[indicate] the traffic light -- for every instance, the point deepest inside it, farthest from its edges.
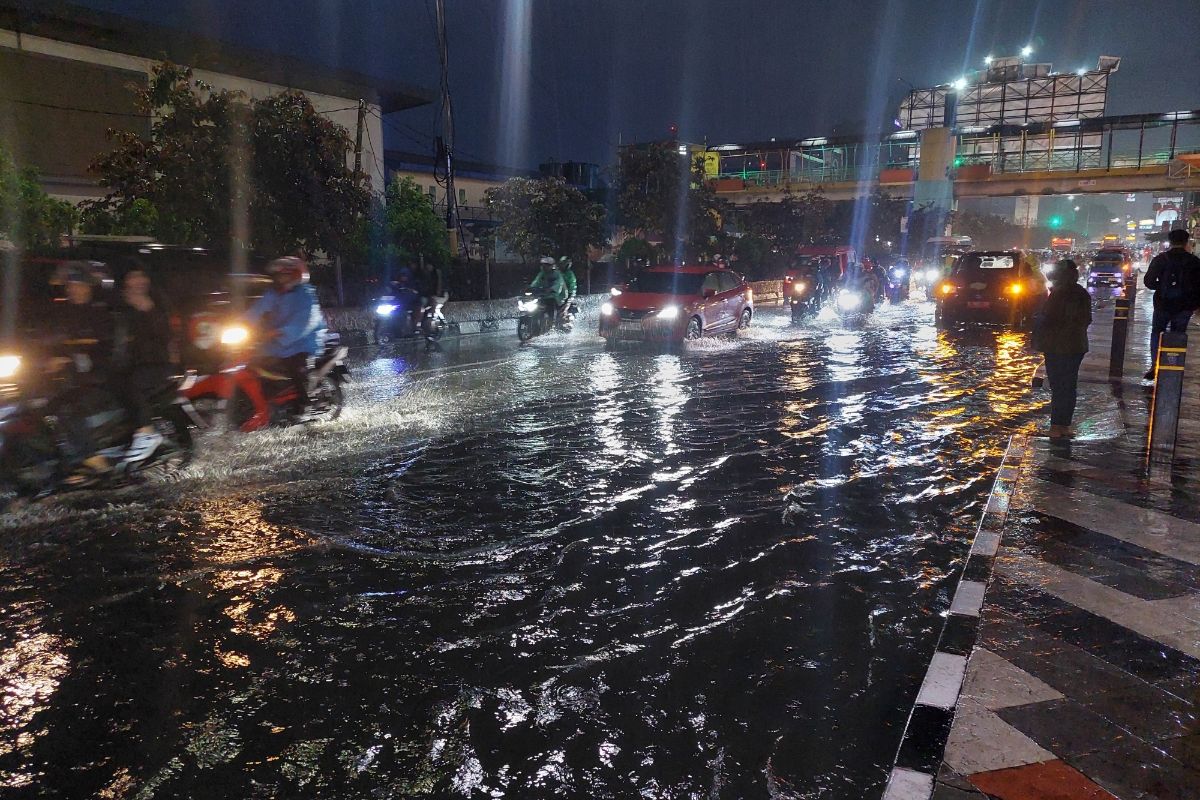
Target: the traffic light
(958, 162)
(1055, 221)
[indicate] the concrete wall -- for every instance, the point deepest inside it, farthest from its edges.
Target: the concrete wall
(74, 187)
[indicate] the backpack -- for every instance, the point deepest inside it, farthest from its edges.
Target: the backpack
(1171, 282)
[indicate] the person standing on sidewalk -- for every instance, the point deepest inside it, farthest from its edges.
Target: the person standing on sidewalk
(1175, 278)
(1061, 333)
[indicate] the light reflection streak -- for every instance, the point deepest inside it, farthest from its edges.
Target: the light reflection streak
(30, 671)
(670, 395)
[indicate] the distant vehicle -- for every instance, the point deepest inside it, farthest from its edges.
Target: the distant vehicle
(937, 257)
(899, 281)
(1110, 266)
(1004, 286)
(1062, 245)
(676, 303)
(540, 314)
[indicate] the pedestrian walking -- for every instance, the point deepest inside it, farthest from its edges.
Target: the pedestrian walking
(1061, 333)
(1174, 276)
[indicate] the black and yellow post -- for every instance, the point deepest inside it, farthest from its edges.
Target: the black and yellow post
(1120, 332)
(1168, 391)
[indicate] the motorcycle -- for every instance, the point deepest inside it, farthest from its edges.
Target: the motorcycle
(539, 314)
(36, 455)
(404, 316)
(927, 278)
(253, 397)
(853, 302)
(804, 298)
(898, 283)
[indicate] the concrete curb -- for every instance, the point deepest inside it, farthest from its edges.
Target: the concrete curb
(928, 728)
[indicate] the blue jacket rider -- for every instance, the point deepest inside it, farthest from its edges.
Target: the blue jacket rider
(291, 315)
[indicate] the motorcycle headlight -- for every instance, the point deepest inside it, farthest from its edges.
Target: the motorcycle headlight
(607, 309)
(385, 309)
(799, 286)
(233, 335)
(527, 305)
(898, 272)
(849, 301)
(932, 275)
(9, 365)
(669, 312)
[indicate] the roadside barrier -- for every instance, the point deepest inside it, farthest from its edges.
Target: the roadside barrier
(1168, 392)
(1120, 333)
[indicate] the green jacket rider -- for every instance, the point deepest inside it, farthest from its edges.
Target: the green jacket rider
(549, 281)
(568, 276)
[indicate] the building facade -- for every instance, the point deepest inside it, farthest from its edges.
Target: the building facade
(66, 73)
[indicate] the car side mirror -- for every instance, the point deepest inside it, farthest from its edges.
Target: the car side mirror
(707, 293)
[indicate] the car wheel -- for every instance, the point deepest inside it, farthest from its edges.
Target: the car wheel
(694, 331)
(744, 322)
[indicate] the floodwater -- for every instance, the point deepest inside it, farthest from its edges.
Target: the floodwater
(549, 571)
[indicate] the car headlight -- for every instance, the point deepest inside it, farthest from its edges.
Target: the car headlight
(614, 291)
(607, 309)
(932, 275)
(799, 286)
(849, 301)
(385, 309)
(9, 365)
(669, 312)
(233, 335)
(527, 305)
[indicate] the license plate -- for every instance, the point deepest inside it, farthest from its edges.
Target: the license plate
(631, 327)
(979, 304)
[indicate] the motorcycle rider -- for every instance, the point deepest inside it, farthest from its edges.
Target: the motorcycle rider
(81, 347)
(828, 277)
(294, 330)
(144, 354)
(431, 286)
(549, 283)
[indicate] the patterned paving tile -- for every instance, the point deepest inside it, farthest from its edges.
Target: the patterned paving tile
(994, 683)
(1064, 727)
(1134, 769)
(1052, 780)
(981, 741)
(1147, 711)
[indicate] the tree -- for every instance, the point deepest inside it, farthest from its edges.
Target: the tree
(546, 216)
(29, 218)
(412, 228)
(217, 163)
(652, 181)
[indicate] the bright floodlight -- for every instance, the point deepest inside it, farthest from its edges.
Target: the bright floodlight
(987, 59)
(959, 84)
(1026, 51)
(1081, 71)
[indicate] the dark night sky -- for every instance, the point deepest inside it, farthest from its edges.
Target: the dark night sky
(596, 70)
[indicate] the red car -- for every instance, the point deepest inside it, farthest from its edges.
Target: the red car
(674, 303)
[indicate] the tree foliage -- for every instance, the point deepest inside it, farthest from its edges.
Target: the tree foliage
(29, 218)
(546, 216)
(659, 192)
(213, 155)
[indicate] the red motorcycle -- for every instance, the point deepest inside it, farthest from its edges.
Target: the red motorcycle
(252, 397)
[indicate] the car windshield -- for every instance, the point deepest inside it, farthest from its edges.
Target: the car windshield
(684, 283)
(986, 261)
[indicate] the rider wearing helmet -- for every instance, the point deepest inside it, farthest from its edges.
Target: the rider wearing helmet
(549, 282)
(566, 269)
(431, 286)
(293, 327)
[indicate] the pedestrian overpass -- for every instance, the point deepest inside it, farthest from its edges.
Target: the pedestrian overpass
(1131, 153)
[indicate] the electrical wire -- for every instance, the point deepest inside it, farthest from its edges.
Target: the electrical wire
(74, 108)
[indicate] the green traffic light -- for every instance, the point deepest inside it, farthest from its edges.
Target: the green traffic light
(1055, 222)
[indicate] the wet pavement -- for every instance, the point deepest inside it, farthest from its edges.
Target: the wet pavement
(524, 572)
(1083, 681)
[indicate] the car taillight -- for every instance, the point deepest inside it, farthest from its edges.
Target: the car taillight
(946, 288)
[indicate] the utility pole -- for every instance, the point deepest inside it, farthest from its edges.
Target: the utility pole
(447, 149)
(358, 137)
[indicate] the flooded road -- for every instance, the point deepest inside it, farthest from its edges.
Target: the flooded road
(552, 571)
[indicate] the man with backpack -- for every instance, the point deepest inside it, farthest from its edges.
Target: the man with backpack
(1175, 278)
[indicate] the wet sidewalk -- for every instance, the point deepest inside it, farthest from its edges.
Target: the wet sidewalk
(1075, 631)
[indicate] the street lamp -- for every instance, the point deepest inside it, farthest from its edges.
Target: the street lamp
(1026, 51)
(959, 84)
